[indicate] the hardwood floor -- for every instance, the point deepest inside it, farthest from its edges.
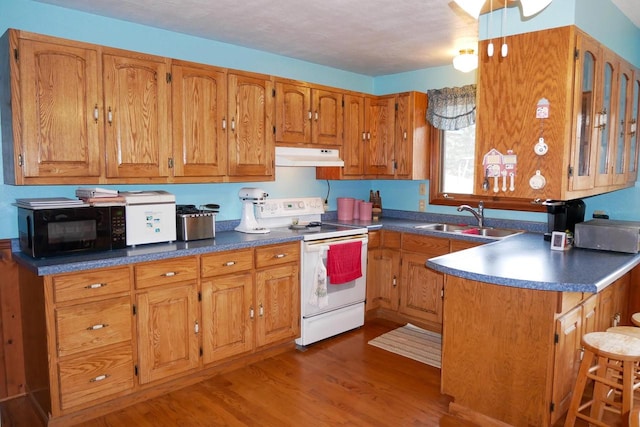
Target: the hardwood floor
(339, 381)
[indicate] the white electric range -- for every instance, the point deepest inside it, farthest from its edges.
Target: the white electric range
(328, 309)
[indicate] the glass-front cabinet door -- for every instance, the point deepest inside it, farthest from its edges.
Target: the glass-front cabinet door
(605, 122)
(620, 132)
(632, 170)
(583, 158)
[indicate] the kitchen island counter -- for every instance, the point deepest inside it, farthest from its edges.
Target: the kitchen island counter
(526, 261)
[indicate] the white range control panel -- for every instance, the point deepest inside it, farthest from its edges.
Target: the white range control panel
(291, 207)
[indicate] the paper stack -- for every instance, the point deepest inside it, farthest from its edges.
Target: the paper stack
(100, 196)
(49, 203)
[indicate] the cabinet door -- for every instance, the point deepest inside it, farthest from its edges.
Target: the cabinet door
(383, 278)
(167, 331)
(227, 305)
(379, 148)
(199, 98)
(354, 135)
(327, 117)
(633, 129)
(136, 102)
(421, 289)
(586, 84)
(411, 154)
(251, 143)
(605, 120)
(566, 361)
(59, 102)
(621, 142)
(293, 113)
(277, 304)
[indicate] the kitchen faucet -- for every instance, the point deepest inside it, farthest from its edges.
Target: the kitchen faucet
(479, 214)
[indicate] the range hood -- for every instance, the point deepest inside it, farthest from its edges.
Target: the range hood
(291, 156)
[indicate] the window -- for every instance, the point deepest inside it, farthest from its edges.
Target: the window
(458, 160)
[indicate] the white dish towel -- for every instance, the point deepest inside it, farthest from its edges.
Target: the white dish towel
(319, 296)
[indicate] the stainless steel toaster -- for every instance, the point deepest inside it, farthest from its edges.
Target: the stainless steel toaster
(196, 226)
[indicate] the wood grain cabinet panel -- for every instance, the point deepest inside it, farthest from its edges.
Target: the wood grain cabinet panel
(158, 273)
(277, 304)
(379, 146)
(199, 120)
(87, 379)
(91, 284)
(137, 105)
(167, 331)
(227, 316)
(226, 262)
(92, 325)
(307, 114)
(46, 106)
(251, 141)
(277, 255)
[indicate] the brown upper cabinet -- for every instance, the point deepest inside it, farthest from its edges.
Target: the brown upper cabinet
(308, 115)
(591, 146)
(56, 130)
(386, 137)
(158, 120)
(137, 108)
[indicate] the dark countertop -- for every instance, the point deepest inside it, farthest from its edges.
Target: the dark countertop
(526, 261)
(523, 260)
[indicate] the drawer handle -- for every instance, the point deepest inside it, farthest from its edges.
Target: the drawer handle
(98, 326)
(261, 310)
(99, 378)
(170, 274)
(96, 286)
(278, 256)
(229, 263)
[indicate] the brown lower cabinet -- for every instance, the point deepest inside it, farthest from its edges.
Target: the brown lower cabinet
(399, 285)
(96, 340)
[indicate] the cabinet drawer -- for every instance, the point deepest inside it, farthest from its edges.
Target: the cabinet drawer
(98, 283)
(226, 262)
(93, 325)
(279, 254)
(391, 239)
(433, 246)
(88, 378)
(166, 271)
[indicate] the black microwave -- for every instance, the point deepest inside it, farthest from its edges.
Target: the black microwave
(59, 231)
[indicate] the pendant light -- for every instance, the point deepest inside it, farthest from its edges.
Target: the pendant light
(529, 7)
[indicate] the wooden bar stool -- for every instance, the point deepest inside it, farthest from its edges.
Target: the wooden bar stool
(615, 353)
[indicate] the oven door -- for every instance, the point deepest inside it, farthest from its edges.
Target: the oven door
(338, 296)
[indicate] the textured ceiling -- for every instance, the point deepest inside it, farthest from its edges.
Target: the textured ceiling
(370, 37)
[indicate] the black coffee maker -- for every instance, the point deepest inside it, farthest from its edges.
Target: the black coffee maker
(563, 215)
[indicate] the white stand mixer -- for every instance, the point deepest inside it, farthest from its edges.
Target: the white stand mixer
(250, 197)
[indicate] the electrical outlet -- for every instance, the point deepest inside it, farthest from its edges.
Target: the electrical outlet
(422, 205)
(422, 189)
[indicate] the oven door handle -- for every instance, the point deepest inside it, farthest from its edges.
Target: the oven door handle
(321, 245)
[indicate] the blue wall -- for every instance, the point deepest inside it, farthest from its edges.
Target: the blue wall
(46, 19)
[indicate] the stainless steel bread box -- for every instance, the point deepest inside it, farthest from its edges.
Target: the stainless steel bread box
(608, 235)
(196, 226)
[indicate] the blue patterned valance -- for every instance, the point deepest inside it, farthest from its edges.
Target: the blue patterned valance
(452, 108)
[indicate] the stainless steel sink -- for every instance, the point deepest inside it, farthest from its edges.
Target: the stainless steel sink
(446, 228)
(494, 233)
(498, 233)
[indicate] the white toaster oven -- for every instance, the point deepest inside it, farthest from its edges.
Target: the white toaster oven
(150, 217)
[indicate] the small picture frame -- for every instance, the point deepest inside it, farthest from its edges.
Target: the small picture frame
(559, 241)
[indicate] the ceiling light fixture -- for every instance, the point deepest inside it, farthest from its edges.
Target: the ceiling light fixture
(529, 7)
(466, 61)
